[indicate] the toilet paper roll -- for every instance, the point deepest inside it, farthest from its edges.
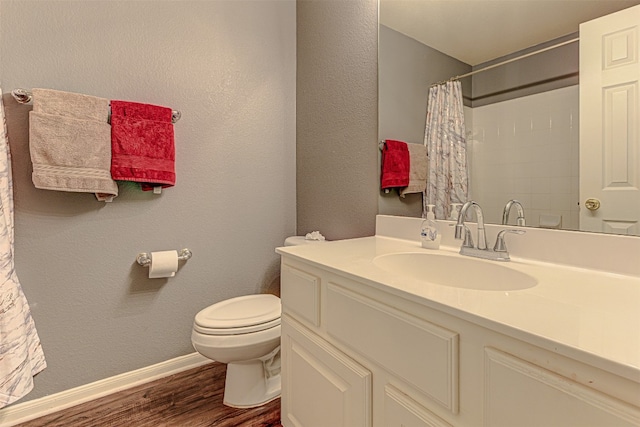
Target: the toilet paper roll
(163, 264)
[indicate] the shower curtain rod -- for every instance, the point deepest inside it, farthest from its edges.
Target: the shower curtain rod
(526, 55)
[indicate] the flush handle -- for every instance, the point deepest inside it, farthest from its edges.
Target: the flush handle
(592, 204)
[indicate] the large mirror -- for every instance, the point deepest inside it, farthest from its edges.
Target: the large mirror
(522, 113)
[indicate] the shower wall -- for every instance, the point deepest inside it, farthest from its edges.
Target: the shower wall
(527, 149)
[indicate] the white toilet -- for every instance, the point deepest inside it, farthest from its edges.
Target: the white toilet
(244, 333)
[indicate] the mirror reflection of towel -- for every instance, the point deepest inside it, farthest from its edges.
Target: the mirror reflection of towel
(69, 143)
(142, 144)
(418, 168)
(395, 164)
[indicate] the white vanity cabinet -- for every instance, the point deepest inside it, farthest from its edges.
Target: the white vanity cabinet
(354, 355)
(324, 386)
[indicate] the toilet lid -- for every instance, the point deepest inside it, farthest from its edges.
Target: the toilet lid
(240, 315)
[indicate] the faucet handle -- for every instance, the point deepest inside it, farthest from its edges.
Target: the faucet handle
(500, 245)
(467, 240)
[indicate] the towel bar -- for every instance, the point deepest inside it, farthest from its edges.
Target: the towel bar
(23, 96)
(144, 258)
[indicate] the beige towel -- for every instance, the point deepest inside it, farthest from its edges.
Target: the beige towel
(418, 168)
(70, 143)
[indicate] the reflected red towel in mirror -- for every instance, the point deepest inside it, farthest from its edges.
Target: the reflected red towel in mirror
(142, 144)
(395, 164)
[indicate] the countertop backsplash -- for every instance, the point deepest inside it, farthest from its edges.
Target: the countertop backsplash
(603, 252)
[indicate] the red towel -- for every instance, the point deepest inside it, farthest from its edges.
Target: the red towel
(142, 144)
(395, 164)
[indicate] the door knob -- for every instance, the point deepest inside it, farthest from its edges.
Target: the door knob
(592, 204)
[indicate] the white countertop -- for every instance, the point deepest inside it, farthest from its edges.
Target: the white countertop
(587, 315)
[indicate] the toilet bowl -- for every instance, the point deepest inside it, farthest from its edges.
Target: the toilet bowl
(244, 333)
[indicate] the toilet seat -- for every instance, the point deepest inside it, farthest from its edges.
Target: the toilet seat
(240, 315)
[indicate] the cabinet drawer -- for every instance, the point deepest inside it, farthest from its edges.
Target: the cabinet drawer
(300, 292)
(520, 393)
(418, 352)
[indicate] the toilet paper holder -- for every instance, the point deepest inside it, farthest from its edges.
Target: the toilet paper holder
(144, 258)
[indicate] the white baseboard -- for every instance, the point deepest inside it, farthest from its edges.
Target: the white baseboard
(22, 412)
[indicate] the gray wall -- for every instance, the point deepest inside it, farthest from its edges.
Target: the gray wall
(229, 66)
(407, 68)
(337, 117)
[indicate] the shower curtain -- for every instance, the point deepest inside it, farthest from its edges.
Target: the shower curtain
(445, 139)
(21, 355)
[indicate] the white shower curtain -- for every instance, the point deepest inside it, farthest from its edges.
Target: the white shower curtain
(21, 355)
(445, 139)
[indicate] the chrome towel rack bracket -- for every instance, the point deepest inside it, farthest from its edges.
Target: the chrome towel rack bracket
(23, 96)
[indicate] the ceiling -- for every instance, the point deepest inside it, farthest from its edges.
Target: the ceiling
(476, 31)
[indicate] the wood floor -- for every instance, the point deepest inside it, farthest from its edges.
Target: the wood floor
(189, 399)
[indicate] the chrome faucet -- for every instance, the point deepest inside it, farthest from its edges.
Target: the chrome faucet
(499, 251)
(507, 208)
(460, 227)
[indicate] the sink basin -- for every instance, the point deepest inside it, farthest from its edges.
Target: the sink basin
(455, 271)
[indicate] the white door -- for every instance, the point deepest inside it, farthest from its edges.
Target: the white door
(609, 116)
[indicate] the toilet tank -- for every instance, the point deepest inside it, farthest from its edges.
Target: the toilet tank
(301, 240)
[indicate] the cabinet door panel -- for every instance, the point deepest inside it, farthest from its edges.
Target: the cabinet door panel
(523, 394)
(300, 294)
(421, 353)
(400, 410)
(321, 386)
